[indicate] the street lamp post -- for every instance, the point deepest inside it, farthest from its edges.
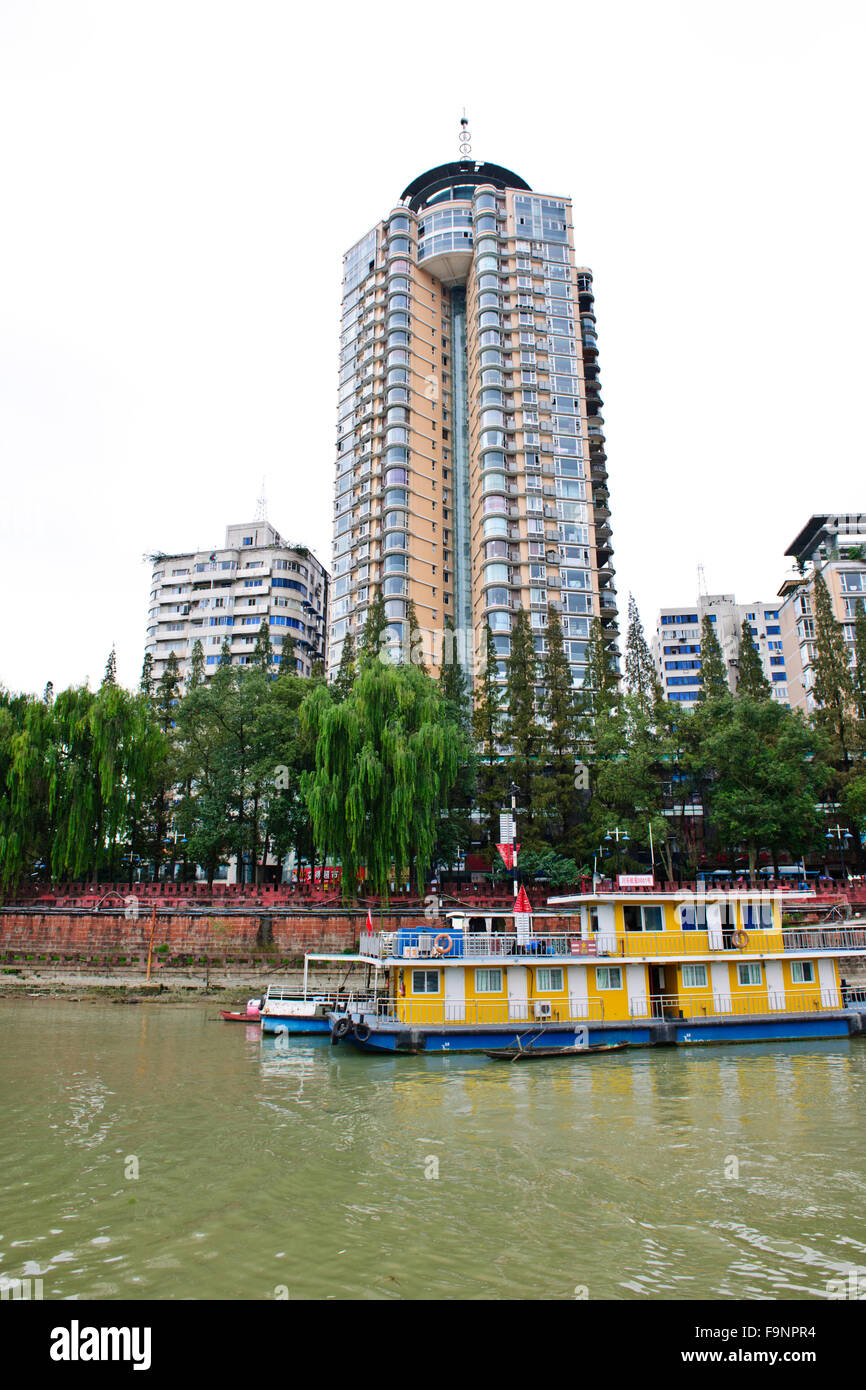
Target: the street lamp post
(619, 836)
(837, 833)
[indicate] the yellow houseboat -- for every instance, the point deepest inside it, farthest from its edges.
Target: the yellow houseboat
(637, 967)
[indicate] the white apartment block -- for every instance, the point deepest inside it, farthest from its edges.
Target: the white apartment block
(835, 547)
(676, 646)
(211, 595)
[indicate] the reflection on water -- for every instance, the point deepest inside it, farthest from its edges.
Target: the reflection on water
(265, 1166)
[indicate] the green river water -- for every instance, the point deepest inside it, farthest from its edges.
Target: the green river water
(311, 1171)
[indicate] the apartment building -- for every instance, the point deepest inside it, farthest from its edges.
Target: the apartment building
(214, 595)
(676, 645)
(835, 547)
(471, 476)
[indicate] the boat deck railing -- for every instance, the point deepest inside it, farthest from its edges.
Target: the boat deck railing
(693, 1006)
(480, 1011)
(411, 945)
(337, 998)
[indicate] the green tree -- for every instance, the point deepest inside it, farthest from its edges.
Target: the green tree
(521, 732)
(641, 680)
(386, 757)
(767, 768)
(374, 628)
(196, 674)
(859, 672)
(146, 684)
(833, 688)
(714, 679)
(346, 671)
(263, 651)
(487, 719)
(454, 831)
(751, 680)
(110, 677)
(555, 788)
(288, 657)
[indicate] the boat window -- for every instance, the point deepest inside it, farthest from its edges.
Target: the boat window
(653, 918)
(608, 977)
(477, 924)
(692, 915)
(631, 916)
(549, 979)
(488, 981)
(425, 981)
(757, 916)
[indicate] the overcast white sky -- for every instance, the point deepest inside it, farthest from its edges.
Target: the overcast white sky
(180, 180)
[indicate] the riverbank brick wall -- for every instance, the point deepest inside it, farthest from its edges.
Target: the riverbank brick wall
(183, 934)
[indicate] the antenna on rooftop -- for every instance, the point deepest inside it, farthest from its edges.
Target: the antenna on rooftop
(702, 582)
(262, 505)
(465, 137)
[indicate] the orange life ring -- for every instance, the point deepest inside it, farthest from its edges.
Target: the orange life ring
(443, 950)
(740, 938)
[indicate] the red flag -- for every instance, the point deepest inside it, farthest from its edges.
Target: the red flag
(507, 852)
(522, 903)
(369, 921)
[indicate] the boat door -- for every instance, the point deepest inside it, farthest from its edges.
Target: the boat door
(714, 926)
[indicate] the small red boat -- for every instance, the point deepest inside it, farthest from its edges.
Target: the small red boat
(250, 1015)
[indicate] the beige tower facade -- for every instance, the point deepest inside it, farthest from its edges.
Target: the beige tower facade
(471, 469)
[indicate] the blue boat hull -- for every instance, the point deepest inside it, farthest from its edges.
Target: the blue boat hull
(273, 1023)
(397, 1039)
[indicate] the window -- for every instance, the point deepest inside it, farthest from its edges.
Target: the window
(694, 977)
(549, 979)
(749, 974)
(425, 981)
(488, 981)
(608, 977)
(802, 972)
(248, 540)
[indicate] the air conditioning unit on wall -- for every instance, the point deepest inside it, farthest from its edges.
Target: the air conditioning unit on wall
(542, 1008)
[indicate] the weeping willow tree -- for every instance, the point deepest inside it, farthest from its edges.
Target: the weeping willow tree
(386, 757)
(25, 822)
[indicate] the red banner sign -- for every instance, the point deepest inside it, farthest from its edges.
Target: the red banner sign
(509, 854)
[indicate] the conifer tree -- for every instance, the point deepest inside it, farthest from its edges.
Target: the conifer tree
(110, 677)
(833, 687)
(263, 651)
(416, 638)
(146, 683)
(487, 729)
(859, 672)
(521, 731)
(640, 674)
(556, 784)
(225, 654)
(195, 675)
(453, 685)
(714, 680)
(750, 678)
(288, 661)
(347, 670)
(48, 696)
(374, 627)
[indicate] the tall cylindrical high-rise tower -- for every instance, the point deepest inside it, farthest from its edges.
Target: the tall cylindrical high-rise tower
(471, 473)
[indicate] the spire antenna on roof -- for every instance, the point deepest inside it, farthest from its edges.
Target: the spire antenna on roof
(262, 505)
(465, 137)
